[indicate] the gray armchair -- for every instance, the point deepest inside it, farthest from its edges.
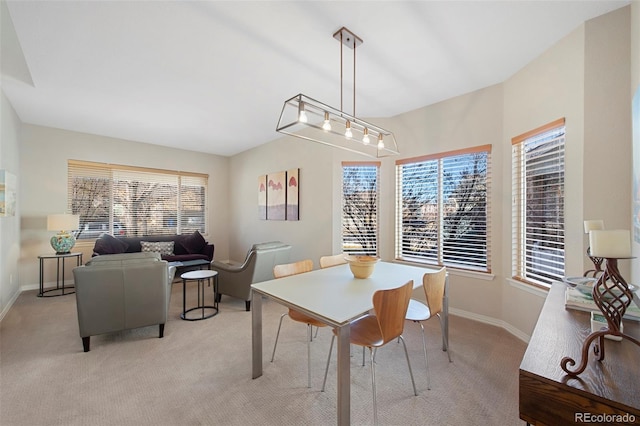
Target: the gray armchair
(236, 280)
(122, 291)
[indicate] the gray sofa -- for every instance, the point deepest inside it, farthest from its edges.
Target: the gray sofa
(186, 247)
(236, 280)
(122, 291)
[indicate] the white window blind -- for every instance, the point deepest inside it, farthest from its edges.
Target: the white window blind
(538, 204)
(360, 195)
(443, 210)
(134, 201)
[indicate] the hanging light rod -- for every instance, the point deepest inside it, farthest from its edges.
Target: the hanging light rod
(309, 119)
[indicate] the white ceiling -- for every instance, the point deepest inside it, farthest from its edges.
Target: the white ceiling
(212, 76)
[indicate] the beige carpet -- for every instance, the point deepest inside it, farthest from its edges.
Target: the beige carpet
(200, 372)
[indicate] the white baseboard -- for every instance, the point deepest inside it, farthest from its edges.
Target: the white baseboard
(491, 321)
(11, 302)
(29, 287)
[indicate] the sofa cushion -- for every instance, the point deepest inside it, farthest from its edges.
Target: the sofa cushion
(193, 243)
(178, 248)
(184, 257)
(162, 247)
(107, 244)
(121, 259)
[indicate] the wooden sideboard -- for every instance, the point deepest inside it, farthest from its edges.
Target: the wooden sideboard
(605, 390)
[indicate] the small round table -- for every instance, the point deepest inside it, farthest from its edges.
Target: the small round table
(200, 276)
(60, 259)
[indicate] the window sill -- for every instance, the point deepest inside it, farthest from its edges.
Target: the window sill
(452, 271)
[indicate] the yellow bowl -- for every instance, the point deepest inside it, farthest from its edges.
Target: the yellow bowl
(362, 266)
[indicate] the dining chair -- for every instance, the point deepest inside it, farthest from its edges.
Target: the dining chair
(433, 285)
(376, 330)
(333, 260)
(285, 270)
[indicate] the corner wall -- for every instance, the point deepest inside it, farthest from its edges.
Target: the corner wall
(10, 225)
(583, 78)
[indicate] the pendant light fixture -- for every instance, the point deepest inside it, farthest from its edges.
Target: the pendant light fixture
(309, 119)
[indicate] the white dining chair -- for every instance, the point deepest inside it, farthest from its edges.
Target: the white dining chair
(418, 312)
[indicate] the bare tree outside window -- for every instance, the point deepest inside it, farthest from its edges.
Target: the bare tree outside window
(360, 209)
(538, 210)
(135, 202)
(443, 205)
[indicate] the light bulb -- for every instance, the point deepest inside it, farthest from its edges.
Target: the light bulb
(380, 142)
(347, 132)
(327, 124)
(365, 138)
(302, 116)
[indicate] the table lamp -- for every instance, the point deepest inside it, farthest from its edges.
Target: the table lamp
(63, 241)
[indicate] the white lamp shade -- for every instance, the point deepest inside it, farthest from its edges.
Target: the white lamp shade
(63, 222)
(610, 244)
(593, 225)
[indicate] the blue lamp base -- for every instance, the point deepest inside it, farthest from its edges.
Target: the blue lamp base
(63, 242)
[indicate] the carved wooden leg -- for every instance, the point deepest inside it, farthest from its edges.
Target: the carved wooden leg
(85, 343)
(161, 326)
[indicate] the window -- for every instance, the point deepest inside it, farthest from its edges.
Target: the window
(134, 201)
(538, 204)
(443, 210)
(360, 208)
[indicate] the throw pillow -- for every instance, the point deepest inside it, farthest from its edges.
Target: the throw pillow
(157, 247)
(193, 243)
(107, 244)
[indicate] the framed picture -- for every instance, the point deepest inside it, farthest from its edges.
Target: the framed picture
(7, 194)
(262, 197)
(276, 196)
(293, 185)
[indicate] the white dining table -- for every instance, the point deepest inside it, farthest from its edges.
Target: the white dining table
(333, 296)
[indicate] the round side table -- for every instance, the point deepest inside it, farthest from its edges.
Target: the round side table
(60, 259)
(200, 276)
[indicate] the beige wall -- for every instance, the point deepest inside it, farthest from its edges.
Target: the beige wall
(583, 78)
(466, 121)
(43, 189)
(310, 236)
(10, 225)
(550, 87)
(606, 171)
(580, 78)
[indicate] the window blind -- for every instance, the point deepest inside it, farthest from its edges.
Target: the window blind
(443, 210)
(538, 204)
(135, 201)
(360, 195)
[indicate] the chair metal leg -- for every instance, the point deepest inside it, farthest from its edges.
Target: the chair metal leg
(277, 335)
(426, 362)
(444, 337)
(309, 337)
(326, 370)
(363, 356)
(372, 352)
(413, 382)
